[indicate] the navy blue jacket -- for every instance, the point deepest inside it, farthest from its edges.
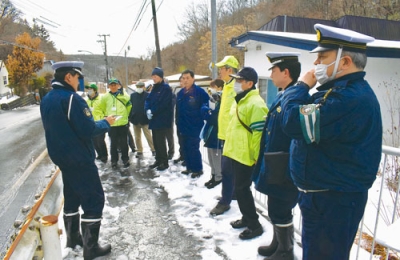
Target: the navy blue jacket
(159, 101)
(189, 120)
(210, 130)
(69, 126)
(349, 152)
(273, 140)
(138, 114)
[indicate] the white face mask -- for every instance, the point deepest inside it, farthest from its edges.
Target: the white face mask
(90, 92)
(139, 90)
(321, 70)
(238, 87)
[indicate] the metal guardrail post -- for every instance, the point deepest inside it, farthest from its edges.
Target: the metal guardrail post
(50, 237)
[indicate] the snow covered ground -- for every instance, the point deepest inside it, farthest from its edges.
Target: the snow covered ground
(190, 204)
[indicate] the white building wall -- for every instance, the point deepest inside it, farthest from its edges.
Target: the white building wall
(3, 73)
(382, 74)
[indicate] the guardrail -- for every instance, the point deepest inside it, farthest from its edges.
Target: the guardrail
(28, 244)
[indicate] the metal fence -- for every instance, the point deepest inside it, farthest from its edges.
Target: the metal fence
(380, 226)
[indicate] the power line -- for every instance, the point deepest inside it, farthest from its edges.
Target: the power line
(21, 46)
(139, 17)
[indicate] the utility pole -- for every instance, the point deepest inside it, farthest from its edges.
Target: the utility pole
(105, 53)
(153, 7)
(214, 38)
(126, 66)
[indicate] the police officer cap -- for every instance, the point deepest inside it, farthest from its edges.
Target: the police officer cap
(331, 38)
(246, 73)
(282, 57)
(64, 66)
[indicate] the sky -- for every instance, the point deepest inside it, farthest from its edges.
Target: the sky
(76, 24)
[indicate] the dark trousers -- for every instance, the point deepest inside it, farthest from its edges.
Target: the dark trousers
(282, 198)
(82, 187)
(170, 140)
(191, 148)
(330, 223)
(181, 152)
(243, 193)
(228, 180)
(119, 139)
(100, 146)
(159, 141)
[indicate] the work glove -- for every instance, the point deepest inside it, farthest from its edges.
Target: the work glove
(149, 114)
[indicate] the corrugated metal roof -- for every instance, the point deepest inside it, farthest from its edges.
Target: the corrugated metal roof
(377, 28)
(294, 24)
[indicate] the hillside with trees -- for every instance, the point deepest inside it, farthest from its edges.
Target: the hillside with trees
(193, 49)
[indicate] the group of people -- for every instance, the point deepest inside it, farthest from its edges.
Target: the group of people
(320, 151)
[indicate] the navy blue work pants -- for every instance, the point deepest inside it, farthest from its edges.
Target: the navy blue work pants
(330, 223)
(282, 198)
(181, 155)
(191, 150)
(244, 195)
(228, 180)
(82, 187)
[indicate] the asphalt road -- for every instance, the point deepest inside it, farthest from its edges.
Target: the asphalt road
(21, 143)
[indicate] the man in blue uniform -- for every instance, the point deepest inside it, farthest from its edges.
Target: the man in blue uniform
(69, 128)
(337, 141)
(271, 175)
(189, 122)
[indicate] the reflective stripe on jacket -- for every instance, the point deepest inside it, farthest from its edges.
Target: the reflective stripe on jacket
(241, 145)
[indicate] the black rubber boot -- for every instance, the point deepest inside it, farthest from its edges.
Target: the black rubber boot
(71, 224)
(285, 237)
(271, 248)
(91, 247)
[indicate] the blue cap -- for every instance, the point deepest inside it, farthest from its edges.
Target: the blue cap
(282, 57)
(63, 66)
(246, 73)
(158, 71)
(331, 38)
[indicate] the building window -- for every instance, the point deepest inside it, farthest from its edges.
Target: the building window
(268, 91)
(5, 81)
